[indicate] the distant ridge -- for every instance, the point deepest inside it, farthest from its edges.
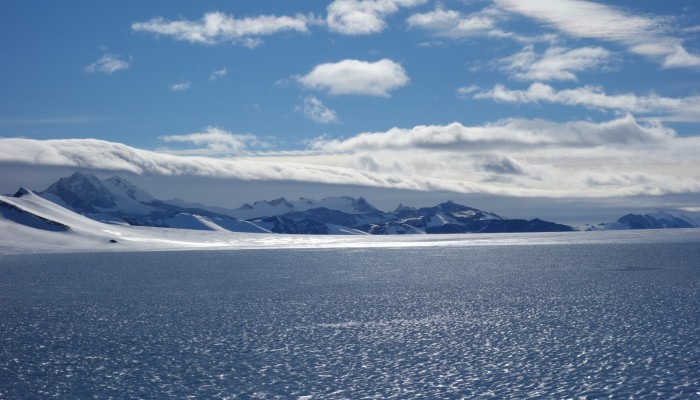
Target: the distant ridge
(115, 200)
(658, 220)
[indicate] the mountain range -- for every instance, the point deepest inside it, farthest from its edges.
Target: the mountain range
(657, 220)
(117, 201)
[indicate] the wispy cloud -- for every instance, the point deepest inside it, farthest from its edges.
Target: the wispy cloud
(363, 17)
(645, 35)
(464, 91)
(683, 109)
(218, 27)
(348, 77)
(213, 142)
(108, 64)
(180, 87)
(556, 63)
(316, 111)
(486, 22)
(217, 74)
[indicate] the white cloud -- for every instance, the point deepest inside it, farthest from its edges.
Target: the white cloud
(508, 133)
(683, 109)
(680, 58)
(180, 87)
(514, 157)
(316, 111)
(213, 141)
(109, 156)
(108, 64)
(453, 24)
(464, 91)
(641, 34)
(348, 77)
(556, 63)
(363, 17)
(218, 27)
(545, 37)
(520, 157)
(216, 74)
(457, 25)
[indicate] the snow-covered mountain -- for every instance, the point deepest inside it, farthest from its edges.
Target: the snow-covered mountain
(14, 212)
(281, 206)
(657, 220)
(117, 201)
(451, 217)
(30, 223)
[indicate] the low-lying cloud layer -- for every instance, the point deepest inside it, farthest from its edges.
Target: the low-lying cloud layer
(512, 157)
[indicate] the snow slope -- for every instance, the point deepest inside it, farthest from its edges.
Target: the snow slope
(20, 234)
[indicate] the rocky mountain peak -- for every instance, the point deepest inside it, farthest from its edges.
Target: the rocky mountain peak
(22, 191)
(82, 192)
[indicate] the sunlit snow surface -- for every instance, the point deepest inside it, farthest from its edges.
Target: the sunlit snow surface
(553, 316)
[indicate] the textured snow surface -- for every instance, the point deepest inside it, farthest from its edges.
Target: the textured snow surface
(613, 319)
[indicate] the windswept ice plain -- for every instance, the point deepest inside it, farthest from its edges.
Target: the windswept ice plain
(582, 315)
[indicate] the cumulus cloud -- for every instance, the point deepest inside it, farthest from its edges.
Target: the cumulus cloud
(512, 133)
(683, 109)
(348, 77)
(213, 142)
(453, 24)
(180, 87)
(316, 111)
(363, 17)
(108, 64)
(218, 27)
(556, 63)
(514, 157)
(645, 35)
(217, 74)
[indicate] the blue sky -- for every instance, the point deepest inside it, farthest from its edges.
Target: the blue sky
(542, 99)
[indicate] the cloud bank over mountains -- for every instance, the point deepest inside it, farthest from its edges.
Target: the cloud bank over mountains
(511, 157)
